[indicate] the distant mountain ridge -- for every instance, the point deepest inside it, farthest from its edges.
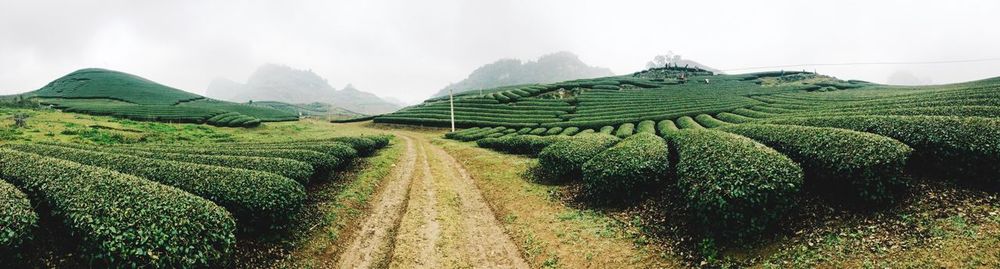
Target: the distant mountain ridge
(280, 83)
(555, 67)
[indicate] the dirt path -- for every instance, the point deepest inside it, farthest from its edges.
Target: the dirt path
(430, 215)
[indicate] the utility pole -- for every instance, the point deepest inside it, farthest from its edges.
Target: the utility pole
(451, 99)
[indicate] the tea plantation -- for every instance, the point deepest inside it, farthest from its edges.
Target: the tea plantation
(112, 93)
(736, 147)
(161, 205)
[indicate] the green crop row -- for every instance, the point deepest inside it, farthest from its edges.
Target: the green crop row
(646, 126)
(734, 187)
(17, 217)
(968, 147)
(123, 220)
(296, 170)
(688, 123)
(570, 131)
(520, 144)
(733, 118)
(253, 197)
(709, 122)
(625, 170)
(564, 160)
(839, 162)
(625, 130)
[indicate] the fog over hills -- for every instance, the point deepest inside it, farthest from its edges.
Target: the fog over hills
(555, 67)
(281, 83)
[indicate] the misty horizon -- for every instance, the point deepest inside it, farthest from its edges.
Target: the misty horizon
(409, 51)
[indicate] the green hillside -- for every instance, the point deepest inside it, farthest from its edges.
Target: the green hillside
(106, 92)
(743, 147)
(654, 94)
(322, 110)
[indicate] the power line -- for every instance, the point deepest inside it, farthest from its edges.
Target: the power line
(865, 63)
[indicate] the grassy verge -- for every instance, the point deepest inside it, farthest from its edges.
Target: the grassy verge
(340, 208)
(550, 233)
(319, 230)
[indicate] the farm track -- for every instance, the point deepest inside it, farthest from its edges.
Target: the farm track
(430, 215)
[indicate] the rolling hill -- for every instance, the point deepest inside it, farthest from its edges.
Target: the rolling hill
(280, 83)
(549, 68)
(106, 92)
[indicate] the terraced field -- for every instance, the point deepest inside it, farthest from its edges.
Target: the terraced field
(161, 205)
(739, 150)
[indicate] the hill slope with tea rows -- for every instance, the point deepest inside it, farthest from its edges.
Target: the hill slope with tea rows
(106, 92)
(737, 148)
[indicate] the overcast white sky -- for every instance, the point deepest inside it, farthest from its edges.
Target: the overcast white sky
(410, 49)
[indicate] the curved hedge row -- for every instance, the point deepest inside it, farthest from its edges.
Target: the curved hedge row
(646, 126)
(733, 118)
(735, 187)
(296, 170)
(569, 131)
(520, 144)
(537, 131)
(320, 161)
(554, 131)
(588, 131)
(606, 129)
(627, 169)
(123, 220)
(17, 217)
(964, 146)
(625, 130)
(688, 123)
(666, 126)
(253, 197)
(564, 160)
(709, 121)
(859, 165)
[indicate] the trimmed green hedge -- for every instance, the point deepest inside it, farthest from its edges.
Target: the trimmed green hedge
(734, 187)
(627, 169)
(253, 197)
(646, 126)
(665, 127)
(520, 144)
(537, 131)
(588, 131)
(123, 220)
(17, 217)
(320, 161)
(554, 131)
(733, 118)
(625, 130)
(709, 122)
(607, 129)
(841, 162)
(564, 160)
(968, 147)
(297, 170)
(569, 131)
(688, 123)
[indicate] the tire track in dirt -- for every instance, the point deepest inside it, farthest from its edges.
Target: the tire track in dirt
(486, 243)
(431, 215)
(372, 244)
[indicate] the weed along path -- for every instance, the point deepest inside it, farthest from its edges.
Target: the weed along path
(430, 214)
